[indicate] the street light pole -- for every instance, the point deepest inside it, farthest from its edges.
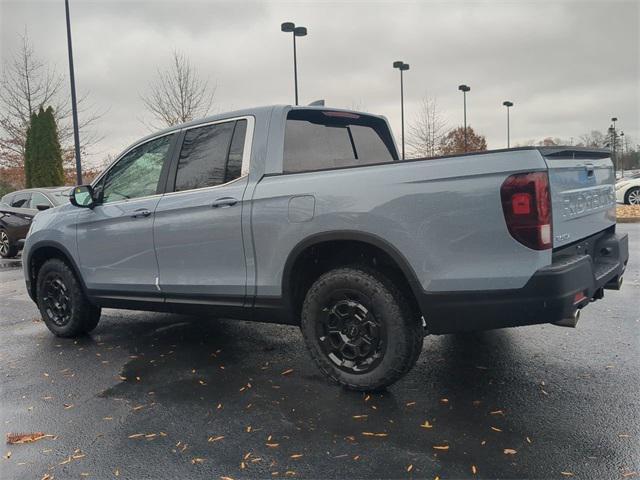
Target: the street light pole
(297, 32)
(614, 140)
(400, 65)
(508, 104)
(74, 105)
(464, 89)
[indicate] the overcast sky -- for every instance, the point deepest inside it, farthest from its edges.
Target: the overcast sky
(568, 66)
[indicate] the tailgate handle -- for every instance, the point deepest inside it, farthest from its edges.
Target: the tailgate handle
(589, 167)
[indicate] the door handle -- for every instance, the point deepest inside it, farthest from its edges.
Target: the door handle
(224, 202)
(141, 212)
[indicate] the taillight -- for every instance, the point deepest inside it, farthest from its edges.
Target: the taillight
(526, 202)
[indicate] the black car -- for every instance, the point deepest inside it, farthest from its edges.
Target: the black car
(17, 209)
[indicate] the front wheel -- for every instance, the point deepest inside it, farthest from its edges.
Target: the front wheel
(632, 197)
(360, 329)
(65, 309)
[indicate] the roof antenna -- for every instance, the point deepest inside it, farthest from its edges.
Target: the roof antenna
(317, 103)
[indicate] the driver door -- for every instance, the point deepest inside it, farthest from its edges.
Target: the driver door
(115, 238)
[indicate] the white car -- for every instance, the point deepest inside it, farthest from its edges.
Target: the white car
(628, 190)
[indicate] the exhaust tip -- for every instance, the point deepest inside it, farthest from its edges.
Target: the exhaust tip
(570, 321)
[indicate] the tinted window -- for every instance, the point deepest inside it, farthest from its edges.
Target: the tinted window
(138, 172)
(236, 150)
(38, 198)
(211, 155)
(21, 200)
(316, 139)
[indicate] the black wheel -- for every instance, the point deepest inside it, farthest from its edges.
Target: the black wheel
(62, 303)
(360, 329)
(632, 197)
(7, 249)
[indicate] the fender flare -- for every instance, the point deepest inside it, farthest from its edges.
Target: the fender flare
(349, 235)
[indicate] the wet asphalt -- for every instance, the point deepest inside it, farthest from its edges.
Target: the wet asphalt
(151, 395)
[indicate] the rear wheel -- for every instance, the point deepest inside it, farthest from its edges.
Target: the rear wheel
(7, 249)
(632, 196)
(63, 305)
(360, 329)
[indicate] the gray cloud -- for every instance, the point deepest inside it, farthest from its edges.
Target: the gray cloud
(567, 65)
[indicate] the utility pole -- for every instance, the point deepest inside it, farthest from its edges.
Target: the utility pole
(74, 104)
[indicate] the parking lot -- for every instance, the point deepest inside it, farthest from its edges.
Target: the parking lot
(153, 395)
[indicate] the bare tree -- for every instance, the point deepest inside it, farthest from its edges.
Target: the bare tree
(427, 130)
(178, 94)
(27, 84)
(595, 139)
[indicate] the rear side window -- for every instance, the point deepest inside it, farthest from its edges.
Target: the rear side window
(211, 155)
(318, 140)
(21, 200)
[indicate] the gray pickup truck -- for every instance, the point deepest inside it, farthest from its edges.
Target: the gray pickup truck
(306, 216)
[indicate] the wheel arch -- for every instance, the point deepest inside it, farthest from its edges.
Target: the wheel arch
(46, 250)
(371, 247)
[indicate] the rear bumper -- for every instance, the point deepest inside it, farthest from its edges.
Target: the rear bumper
(552, 294)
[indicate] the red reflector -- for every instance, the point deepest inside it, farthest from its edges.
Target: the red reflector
(579, 297)
(521, 204)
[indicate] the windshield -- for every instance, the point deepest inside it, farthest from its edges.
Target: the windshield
(60, 197)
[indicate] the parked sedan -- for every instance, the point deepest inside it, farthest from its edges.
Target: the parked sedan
(17, 209)
(628, 190)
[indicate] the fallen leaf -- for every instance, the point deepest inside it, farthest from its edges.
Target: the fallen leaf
(567, 474)
(15, 438)
(426, 424)
(287, 372)
(197, 460)
(272, 445)
(136, 435)
(474, 469)
(496, 429)
(7, 455)
(226, 478)
(528, 440)
(289, 473)
(371, 434)
(410, 404)
(441, 447)
(358, 417)
(295, 456)
(510, 451)
(68, 406)
(496, 412)
(409, 468)
(139, 407)
(215, 439)
(444, 400)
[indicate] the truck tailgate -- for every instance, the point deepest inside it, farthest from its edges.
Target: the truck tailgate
(582, 192)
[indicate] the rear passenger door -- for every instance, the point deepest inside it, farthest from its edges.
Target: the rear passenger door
(198, 226)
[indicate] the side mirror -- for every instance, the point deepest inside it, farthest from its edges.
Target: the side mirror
(43, 206)
(82, 196)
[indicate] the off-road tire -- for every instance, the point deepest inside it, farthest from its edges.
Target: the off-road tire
(404, 331)
(83, 316)
(10, 250)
